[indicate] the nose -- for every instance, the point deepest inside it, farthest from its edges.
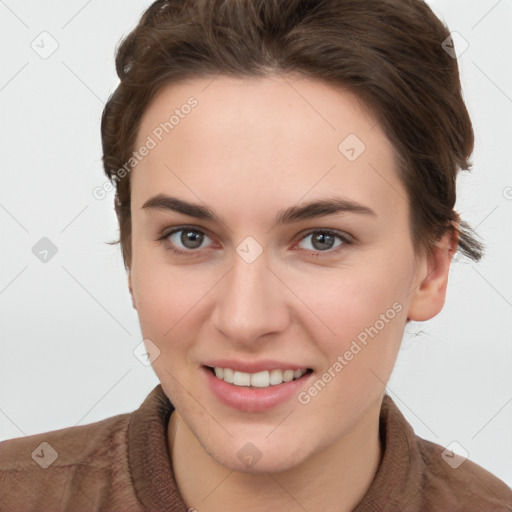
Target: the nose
(251, 303)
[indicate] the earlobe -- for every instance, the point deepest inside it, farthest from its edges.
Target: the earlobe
(429, 296)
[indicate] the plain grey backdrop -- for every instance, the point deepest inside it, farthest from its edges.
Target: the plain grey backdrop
(68, 330)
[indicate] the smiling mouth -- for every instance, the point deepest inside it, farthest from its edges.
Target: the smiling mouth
(258, 380)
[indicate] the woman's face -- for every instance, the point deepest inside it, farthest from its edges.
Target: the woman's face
(259, 287)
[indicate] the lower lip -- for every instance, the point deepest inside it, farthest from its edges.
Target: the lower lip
(253, 399)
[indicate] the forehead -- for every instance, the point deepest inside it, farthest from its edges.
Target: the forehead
(265, 138)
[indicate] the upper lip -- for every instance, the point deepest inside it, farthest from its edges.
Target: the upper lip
(254, 366)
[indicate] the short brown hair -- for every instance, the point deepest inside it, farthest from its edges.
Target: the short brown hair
(389, 53)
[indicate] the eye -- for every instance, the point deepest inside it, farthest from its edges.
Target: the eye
(323, 241)
(191, 238)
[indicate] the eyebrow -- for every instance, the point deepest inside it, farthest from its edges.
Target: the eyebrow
(311, 210)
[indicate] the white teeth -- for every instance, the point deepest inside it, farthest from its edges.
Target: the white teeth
(276, 377)
(260, 379)
(242, 379)
(228, 375)
(288, 375)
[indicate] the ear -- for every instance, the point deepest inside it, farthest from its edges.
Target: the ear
(131, 289)
(429, 296)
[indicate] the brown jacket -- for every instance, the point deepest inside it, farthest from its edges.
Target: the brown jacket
(122, 463)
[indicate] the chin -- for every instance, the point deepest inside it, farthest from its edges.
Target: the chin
(252, 460)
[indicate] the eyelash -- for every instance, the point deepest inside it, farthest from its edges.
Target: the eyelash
(344, 238)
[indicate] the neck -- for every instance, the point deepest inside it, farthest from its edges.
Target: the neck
(339, 476)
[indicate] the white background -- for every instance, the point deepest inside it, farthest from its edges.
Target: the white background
(68, 329)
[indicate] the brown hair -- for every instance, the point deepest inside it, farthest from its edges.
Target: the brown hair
(389, 53)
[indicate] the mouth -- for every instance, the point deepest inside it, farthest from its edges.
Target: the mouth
(258, 380)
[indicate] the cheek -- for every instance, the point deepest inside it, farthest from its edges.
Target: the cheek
(362, 309)
(367, 321)
(169, 301)
(352, 299)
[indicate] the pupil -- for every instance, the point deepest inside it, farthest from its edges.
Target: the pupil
(191, 236)
(322, 237)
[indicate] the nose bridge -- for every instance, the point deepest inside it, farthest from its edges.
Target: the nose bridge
(247, 306)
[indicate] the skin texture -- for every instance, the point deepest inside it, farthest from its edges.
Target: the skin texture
(249, 149)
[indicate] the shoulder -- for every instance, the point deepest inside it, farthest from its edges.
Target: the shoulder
(83, 444)
(419, 475)
(460, 483)
(45, 470)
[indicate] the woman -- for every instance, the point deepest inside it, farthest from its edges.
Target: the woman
(285, 180)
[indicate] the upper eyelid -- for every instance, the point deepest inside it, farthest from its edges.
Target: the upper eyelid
(177, 229)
